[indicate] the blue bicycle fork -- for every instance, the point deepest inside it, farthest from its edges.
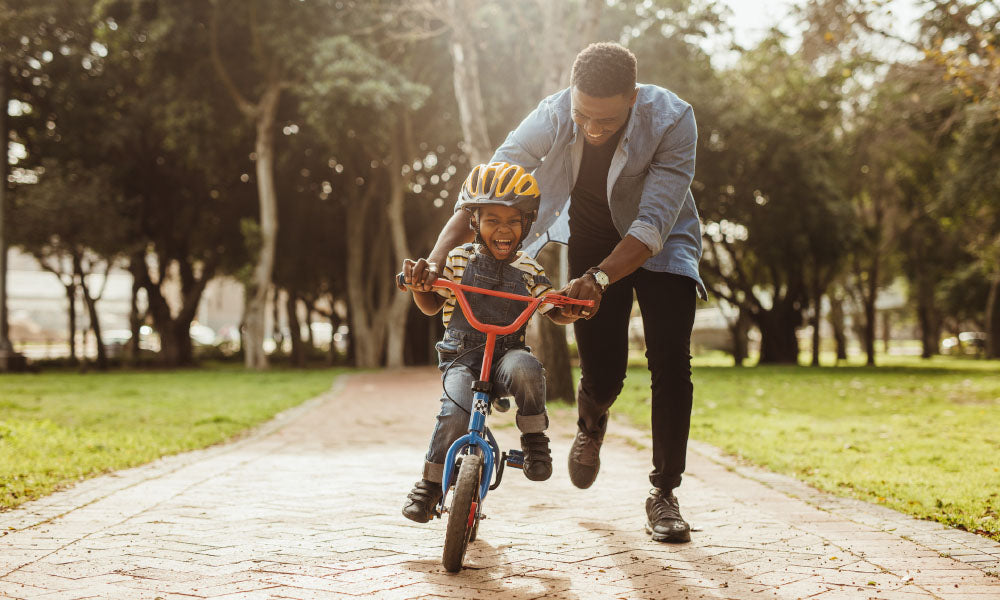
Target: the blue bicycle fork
(474, 439)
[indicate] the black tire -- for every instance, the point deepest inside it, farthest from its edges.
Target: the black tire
(465, 498)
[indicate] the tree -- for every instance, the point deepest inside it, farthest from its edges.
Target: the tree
(769, 195)
(31, 34)
(82, 241)
(273, 79)
(175, 147)
(373, 163)
(961, 40)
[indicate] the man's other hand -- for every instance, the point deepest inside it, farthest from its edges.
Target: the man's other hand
(581, 288)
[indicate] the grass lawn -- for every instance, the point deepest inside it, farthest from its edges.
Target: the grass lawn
(59, 427)
(922, 437)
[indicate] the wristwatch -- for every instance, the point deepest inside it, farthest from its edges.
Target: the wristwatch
(600, 277)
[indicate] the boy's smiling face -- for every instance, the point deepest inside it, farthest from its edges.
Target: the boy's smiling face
(501, 228)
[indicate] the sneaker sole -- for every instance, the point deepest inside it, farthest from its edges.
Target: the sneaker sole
(674, 538)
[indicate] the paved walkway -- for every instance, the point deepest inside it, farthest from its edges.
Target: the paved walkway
(308, 507)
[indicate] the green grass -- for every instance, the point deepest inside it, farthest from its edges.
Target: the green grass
(57, 428)
(922, 437)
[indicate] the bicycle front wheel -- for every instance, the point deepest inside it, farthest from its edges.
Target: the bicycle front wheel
(462, 514)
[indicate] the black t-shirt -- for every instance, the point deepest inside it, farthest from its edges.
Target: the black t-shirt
(589, 213)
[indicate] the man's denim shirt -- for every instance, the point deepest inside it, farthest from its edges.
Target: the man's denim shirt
(649, 182)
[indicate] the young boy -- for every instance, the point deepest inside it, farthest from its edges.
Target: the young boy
(503, 199)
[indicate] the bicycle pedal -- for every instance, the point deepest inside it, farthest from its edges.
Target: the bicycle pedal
(515, 458)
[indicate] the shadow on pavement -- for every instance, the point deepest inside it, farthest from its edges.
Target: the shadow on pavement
(657, 570)
(491, 572)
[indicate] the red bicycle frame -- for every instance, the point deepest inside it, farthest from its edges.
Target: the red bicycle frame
(492, 331)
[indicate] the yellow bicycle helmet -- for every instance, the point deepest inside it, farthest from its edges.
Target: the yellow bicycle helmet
(500, 183)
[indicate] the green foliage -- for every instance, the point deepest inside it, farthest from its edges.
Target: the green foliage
(917, 436)
(71, 210)
(61, 428)
(343, 71)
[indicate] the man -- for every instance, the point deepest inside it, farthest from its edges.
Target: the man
(621, 156)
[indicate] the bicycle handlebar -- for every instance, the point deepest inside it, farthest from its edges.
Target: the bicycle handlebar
(533, 303)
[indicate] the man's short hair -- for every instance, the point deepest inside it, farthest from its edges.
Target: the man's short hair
(604, 69)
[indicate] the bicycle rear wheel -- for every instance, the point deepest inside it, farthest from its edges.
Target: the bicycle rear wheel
(462, 514)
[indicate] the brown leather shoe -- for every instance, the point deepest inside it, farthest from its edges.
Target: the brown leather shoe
(663, 518)
(584, 460)
(421, 502)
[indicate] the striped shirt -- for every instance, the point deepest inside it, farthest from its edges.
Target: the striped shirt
(459, 258)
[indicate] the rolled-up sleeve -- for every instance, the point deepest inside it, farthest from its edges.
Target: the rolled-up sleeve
(667, 183)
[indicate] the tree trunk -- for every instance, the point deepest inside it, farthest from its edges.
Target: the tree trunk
(175, 344)
(870, 296)
(71, 298)
(563, 34)
(836, 319)
(927, 317)
(924, 320)
(886, 331)
(174, 331)
(993, 319)
(399, 303)
(468, 93)
(310, 338)
(817, 301)
(778, 344)
(134, 322)
(276, 334)
(254, 356)
(361, 312)
(334, 326)
(548, 340)
(95, 323)
(740, 332)
(295, 330)
(6, 348)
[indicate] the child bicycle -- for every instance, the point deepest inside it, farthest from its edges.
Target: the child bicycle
(476, 455)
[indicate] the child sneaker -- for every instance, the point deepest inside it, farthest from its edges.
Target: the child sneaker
(537, 458)
(421, 502)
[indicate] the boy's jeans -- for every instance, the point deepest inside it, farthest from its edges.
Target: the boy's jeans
(516, 372)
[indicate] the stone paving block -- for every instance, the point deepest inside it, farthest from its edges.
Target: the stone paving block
(292, 593)
(88, 594)
(19, 591)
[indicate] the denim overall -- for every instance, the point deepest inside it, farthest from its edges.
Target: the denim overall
(515, 370)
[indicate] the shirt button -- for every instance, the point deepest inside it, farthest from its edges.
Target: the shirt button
(557, 213)
(521, 338)
(538, 235)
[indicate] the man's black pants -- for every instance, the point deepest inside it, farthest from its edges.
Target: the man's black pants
(667, 303)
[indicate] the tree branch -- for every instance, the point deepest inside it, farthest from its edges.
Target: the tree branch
(248, 109)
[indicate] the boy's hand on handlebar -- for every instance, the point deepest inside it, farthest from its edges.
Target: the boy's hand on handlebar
(581, 288)
(419, 274)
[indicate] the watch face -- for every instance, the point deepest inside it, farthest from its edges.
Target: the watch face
(602, 278)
